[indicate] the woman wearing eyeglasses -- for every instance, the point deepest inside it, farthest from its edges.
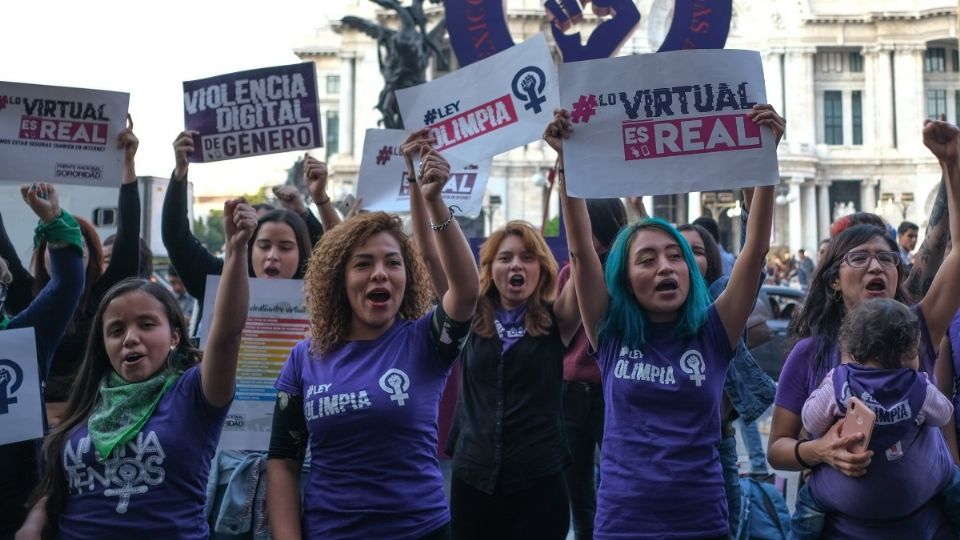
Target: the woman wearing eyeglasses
(862, 263)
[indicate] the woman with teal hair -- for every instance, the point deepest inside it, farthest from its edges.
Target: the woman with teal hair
(663, 349)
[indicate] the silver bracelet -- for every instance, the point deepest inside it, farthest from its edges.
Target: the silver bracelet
(442, 226)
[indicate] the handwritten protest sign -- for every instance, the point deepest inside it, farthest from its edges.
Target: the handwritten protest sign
(488, 107)
(276, 321)
(382, 182)
(665, 123)
(61, 135)
(21, 410)
(251, 113)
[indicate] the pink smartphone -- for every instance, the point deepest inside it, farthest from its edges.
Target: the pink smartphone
(859, 419)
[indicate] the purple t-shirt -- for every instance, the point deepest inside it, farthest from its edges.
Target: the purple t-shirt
(886, 490)
(953, 334)
(371, 410)
(155, 485)
(659, 464)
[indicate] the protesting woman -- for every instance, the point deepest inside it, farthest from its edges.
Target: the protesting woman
(861, 263)
(663, 349)
(131, 457)
(49, 314)
(509, 451)
(279, 247)
(364, 389)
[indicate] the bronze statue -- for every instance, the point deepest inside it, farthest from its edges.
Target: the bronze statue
(403, 54)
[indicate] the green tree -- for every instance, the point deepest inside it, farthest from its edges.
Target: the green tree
(552, 228)
(210, 230)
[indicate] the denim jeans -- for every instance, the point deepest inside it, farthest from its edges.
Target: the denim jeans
(731, 481)
(754, 444)
(808, 518)
(583, 419)
(236, 496)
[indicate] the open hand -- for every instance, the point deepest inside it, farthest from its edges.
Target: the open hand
(239, 221)
(43, 199)
(833, 449)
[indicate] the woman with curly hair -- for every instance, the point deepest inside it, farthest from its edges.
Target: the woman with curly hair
(364, 388)
(509, 450)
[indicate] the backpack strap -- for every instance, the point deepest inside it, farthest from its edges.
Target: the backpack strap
(768, 504)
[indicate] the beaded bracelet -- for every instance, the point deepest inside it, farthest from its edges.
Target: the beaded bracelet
(442, 226)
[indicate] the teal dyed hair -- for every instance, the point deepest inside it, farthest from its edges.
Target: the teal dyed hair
(626, 319)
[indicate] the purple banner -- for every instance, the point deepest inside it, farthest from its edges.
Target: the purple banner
(252, 113)
(478, 28)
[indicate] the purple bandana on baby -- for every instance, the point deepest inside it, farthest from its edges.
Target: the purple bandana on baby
(510, 327)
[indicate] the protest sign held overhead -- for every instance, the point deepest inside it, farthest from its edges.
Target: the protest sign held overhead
(488, 107)
(666, 123)
(276, 321)
(61, 135)
(252, 113)
(21, 411)
(383, 184)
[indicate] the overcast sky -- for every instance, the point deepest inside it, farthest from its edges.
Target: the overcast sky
(148, 49)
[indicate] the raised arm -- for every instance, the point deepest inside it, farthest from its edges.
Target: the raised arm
(736, 302)
(422, 235)
(941, 302)
(290, 198)
(315, 177)
(52, 310)
(219, 366)
(192, 261)
(125, 259)
(460, 300)
(929, 256)
(591, 290)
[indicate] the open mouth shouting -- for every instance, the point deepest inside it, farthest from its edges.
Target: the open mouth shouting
(877, 287)
(271, 272)
(516, 282)
(379, 297)
(667, 286)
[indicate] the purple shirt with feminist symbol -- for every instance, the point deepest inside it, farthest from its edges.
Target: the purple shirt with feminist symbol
(660, 462)
(155, 485)
(371, 410)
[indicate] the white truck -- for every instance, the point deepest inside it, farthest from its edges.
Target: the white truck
(98, 205)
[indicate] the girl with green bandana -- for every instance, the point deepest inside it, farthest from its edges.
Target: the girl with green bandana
(48, 314)
(132, 455)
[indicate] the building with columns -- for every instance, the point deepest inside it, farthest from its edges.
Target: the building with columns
(855, 80)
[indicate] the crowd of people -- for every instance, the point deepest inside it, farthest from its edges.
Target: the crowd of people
(637, 348)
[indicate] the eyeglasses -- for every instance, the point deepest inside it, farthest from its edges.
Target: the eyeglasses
(859, 259)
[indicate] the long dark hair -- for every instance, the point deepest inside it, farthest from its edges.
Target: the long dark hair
(85, 391)
(607, 217)
(823, 310)
(300, 232)
(714, 262)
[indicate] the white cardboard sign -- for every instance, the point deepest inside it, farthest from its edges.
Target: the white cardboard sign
(671, 122)
(21, 407)
(61, 135)
(488, 107)
(382, 181)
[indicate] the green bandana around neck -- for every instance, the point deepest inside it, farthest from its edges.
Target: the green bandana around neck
(124, 408)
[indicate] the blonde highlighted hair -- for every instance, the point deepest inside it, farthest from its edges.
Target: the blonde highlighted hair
(325, 281)
(537, 319)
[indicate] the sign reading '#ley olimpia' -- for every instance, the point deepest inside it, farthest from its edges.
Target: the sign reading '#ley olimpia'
(478, 28)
